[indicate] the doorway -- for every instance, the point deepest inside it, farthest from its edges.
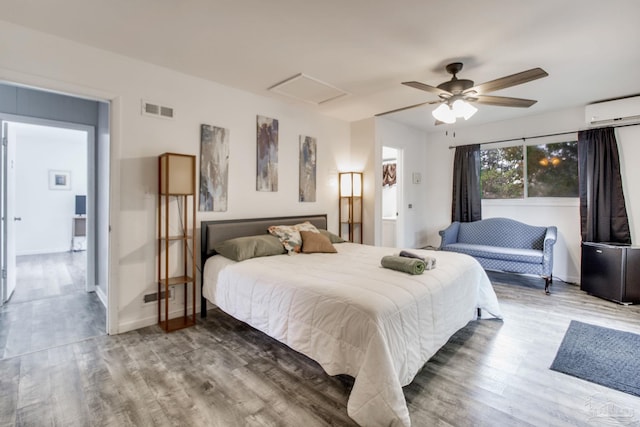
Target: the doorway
(48, 293)
(391, 197)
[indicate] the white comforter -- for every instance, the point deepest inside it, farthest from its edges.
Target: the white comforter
(354, 317)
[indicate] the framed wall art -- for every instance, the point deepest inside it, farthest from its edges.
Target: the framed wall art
(214, 168)
(59, 180)
(267, 154)
(307, 166)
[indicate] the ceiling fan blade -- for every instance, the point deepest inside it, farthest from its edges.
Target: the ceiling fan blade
(503, 101)
(427, 88)
(508, 81)
(407, 108)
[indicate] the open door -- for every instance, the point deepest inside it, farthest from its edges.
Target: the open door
(392, 217)
(9, 216)
(3, 213)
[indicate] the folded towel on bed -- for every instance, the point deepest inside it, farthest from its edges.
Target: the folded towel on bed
(407, 265)
(430, 263)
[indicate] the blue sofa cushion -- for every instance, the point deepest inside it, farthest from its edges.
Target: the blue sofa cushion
(532, 256)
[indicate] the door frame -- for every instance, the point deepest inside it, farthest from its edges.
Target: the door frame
(400, 193)
(115, 107)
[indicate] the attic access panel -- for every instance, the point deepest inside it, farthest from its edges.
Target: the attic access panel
(308, 89)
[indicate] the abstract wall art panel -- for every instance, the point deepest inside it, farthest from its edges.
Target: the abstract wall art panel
(307, 169)
(214, 168)
(267, 147)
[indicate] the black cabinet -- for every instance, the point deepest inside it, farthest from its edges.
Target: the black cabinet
(611, 271)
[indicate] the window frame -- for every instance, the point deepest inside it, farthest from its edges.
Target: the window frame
(525, 200)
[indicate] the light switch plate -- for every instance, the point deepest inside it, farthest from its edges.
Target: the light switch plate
(417, 178)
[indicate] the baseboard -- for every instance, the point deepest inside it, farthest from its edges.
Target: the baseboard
(150, 320)
(571, 280)
(43, 251)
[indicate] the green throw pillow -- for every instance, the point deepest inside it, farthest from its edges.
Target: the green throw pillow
(242, 248)
(333, 238)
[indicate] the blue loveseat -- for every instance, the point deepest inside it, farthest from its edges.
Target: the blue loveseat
(504, 244)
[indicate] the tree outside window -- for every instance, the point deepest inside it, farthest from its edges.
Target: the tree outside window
(501, 175)
(552, 171)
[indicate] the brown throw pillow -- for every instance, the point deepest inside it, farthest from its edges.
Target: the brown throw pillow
(316, 243)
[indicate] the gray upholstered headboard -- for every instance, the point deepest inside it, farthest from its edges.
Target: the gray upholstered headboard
(214, 232)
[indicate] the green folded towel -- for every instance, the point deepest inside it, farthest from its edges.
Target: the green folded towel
(429, 262)
(407, 265)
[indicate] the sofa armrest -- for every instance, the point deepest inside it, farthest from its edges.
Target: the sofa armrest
(550, 238)
(547, 256)
(450, 234)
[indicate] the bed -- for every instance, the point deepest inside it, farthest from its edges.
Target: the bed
(345, 311)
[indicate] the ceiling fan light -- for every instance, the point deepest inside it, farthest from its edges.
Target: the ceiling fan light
(444, 114)
(463, 109)
(471, 110)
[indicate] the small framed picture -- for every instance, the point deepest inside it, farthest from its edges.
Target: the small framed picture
(59, 180)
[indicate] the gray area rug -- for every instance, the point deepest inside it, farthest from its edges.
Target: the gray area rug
(601, 355)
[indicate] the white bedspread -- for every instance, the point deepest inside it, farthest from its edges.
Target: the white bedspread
(354, 317)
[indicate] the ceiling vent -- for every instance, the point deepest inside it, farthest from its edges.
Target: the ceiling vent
(156, 110)
(618, 111)
(308, 89)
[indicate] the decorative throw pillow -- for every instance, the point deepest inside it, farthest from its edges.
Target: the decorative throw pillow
(316, 243)
(333, 238)
(242, 248)
(289, 235)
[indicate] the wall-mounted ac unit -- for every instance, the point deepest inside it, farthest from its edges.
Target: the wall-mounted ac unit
(619, 111)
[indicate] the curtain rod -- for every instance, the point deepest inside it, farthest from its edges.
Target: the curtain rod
(542, 136)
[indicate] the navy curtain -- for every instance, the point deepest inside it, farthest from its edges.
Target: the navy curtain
(603, 214)
(466, 206)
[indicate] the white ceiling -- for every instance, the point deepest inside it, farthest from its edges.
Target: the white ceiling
(590, 48)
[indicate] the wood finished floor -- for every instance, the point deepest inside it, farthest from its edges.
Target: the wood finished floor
(50, 306)
(223, 373)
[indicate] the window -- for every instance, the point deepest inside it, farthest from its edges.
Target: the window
(551, 171)
(501, 174)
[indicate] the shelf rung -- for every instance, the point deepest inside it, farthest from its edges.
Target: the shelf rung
(177, 323)
(176, 237)
(178, 280)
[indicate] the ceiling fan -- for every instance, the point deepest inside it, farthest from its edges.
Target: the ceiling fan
(456, 95)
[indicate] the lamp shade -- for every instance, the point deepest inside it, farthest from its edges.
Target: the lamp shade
(177, 173)
(444, 114)
(463, 109)
(447, 113)
(351, 184)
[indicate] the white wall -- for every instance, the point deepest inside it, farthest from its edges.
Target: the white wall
(363, 159)
(413, 145)
(41, 60)
(46, 225)
(367, 139)
(563, 213)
